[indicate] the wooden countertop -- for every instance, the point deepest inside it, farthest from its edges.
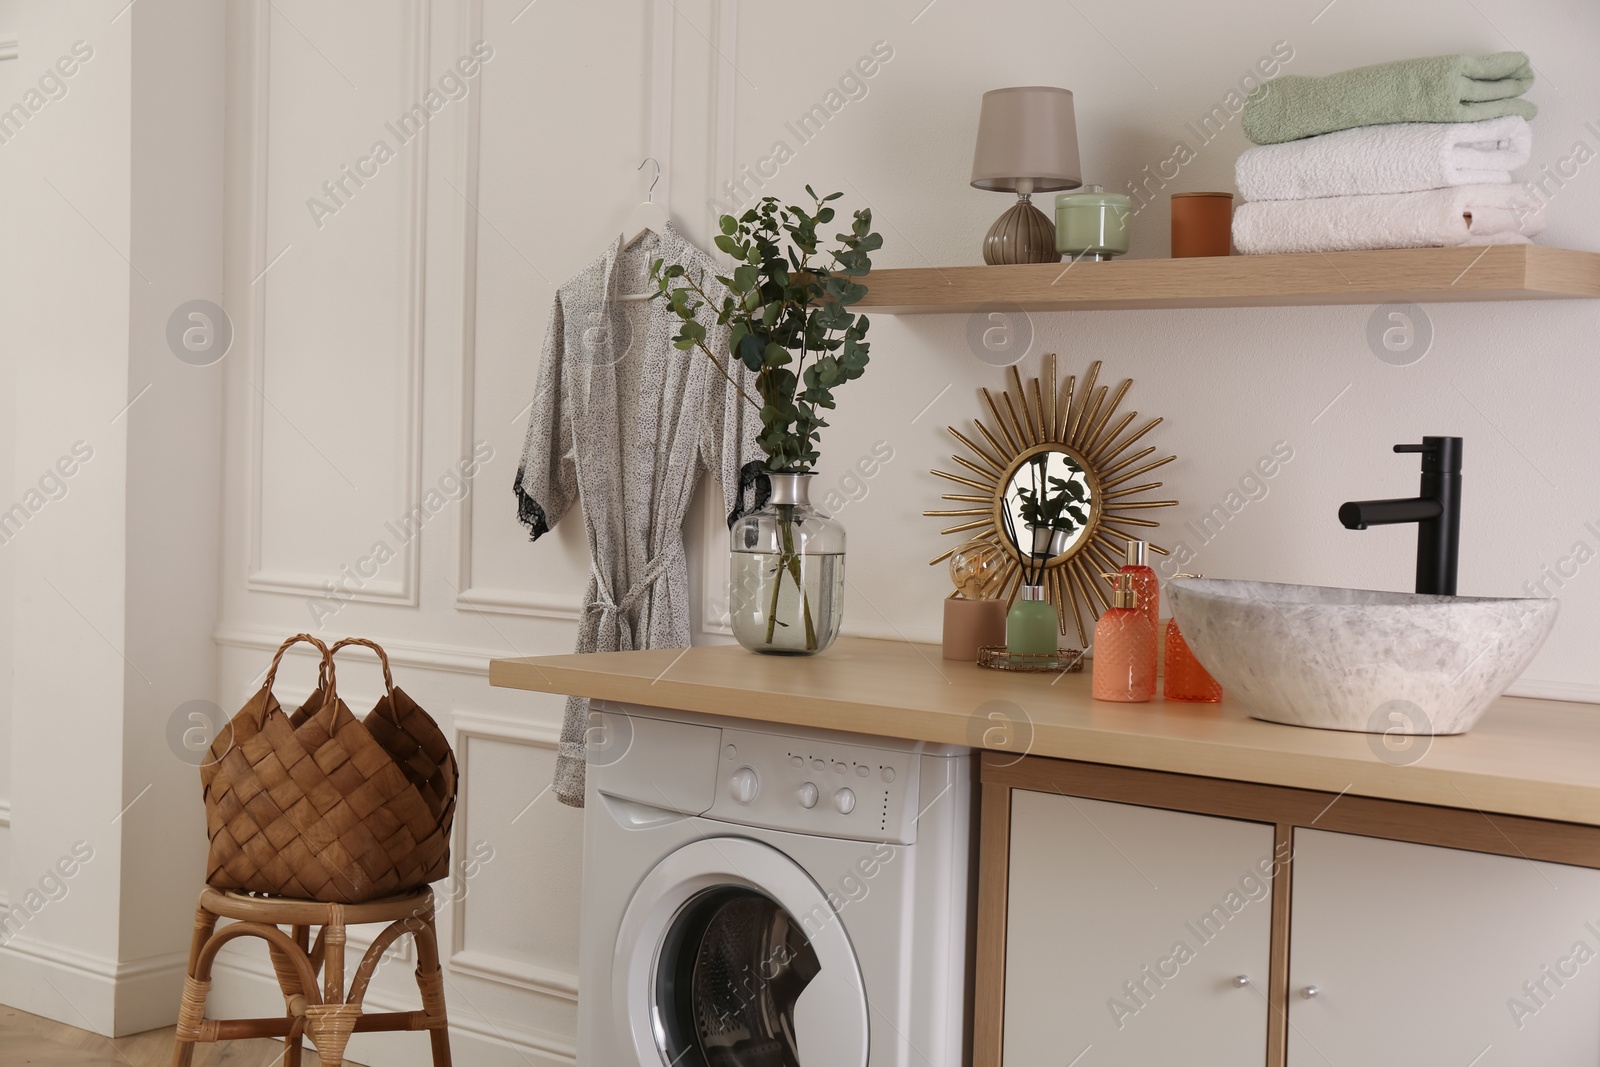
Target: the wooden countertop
(1535, 758)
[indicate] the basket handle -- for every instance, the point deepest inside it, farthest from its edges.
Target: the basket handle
(383, 658)
(324, 669)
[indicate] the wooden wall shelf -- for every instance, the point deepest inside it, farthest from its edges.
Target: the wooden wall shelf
(1405, 275)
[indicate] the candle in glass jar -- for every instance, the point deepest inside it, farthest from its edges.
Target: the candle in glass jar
(1092, 224)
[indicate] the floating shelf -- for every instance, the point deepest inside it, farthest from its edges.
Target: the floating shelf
(1402, 275)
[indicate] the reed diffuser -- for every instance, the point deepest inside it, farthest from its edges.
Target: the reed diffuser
(1031, 625)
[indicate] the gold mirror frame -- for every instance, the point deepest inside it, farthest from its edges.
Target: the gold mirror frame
(1080, 421)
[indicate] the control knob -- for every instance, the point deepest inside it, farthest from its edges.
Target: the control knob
(744, 784)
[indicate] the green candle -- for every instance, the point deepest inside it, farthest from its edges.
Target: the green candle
(1092, 224)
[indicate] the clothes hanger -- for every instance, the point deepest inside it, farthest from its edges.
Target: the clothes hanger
(648, 217)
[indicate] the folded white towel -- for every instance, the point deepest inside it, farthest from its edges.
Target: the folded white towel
(1402, 158)
(1465, 215)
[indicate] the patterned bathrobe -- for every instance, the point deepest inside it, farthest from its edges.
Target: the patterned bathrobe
(624, 423)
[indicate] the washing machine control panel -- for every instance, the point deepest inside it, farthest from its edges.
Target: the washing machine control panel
(823, 788)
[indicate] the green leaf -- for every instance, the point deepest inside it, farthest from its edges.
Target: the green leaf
(750, 352)
(745, 278)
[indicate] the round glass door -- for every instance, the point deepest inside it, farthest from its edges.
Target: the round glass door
(732, 969)
(729, 955)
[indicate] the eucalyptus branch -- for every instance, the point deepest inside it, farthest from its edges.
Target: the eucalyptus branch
(694, 286)
(776, 293)
(701, 345)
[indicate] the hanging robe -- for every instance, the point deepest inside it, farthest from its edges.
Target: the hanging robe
(624, 423)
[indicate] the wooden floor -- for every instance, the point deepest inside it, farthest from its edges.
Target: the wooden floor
(28, 1039)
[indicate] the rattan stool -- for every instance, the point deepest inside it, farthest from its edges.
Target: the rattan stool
(327, 1017)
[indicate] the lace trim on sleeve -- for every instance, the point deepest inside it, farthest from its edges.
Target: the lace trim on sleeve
(752, 482)
(531, 512)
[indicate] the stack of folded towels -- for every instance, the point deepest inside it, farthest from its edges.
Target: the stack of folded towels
(1402, 155)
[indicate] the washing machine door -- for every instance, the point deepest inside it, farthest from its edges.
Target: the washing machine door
(729, 955)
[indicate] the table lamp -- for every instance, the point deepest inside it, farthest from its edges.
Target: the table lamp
(1027, 143)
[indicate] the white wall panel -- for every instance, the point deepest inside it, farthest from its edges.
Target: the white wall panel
(336, 396)
(513, 922)
(564, 126)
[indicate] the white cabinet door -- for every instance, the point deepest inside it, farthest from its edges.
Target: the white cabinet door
(1128, 929)
(1433, 955)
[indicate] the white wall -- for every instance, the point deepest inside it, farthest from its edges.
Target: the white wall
(1513, 379)
(385, 343)
(8, 91)
(174, 481)
(115, 452)
(70, 293)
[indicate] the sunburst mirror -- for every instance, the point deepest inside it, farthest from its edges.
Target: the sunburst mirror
(1055, 483)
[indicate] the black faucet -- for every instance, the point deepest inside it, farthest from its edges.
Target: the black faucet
(1436, 510)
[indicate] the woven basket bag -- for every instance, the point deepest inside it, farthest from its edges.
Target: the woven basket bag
(324, 806)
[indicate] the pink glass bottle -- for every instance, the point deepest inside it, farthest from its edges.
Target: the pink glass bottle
(1124, 648)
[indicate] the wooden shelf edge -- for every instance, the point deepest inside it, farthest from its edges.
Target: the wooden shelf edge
(1405, 275)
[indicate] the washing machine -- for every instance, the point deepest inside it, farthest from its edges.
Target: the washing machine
(771, 896)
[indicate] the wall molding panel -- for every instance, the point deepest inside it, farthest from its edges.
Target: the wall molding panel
(562, 607)
(455, 659)
(261, 577)
(518, 974)
(528, 977)
(469, 597)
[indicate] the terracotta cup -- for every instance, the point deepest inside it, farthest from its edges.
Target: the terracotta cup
(971, 624)
(1202, 224)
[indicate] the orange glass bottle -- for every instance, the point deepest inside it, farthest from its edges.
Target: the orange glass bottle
(1124, 648)
(1186, 679)
(1145, 587)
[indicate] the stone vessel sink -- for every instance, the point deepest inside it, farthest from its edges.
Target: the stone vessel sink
(1356, 659)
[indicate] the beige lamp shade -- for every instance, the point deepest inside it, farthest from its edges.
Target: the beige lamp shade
(1027, 134)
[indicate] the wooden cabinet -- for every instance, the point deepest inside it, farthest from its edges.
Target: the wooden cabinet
(1418, 955)
(1136, 935)
(1423, 934)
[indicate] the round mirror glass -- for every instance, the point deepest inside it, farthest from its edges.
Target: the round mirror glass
(1049, 504)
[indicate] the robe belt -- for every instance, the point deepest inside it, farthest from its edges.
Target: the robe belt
(607, 605)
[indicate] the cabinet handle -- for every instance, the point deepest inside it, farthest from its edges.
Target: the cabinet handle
(1310, 991)
(1242, 981)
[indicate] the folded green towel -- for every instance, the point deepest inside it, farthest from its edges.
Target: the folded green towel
(1437, 89)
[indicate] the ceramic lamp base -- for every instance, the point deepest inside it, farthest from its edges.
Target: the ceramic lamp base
(1024, 234)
